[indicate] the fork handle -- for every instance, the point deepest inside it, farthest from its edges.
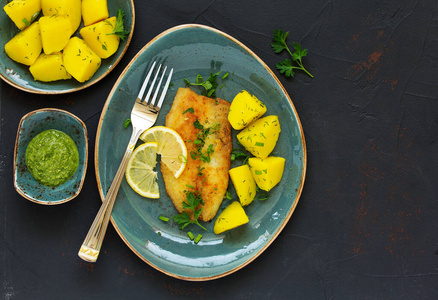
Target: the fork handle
(90, 248)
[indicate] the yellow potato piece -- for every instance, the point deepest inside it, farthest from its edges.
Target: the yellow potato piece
(55, 32)
(70, 8)
(260, 137)
(23, 12)
(244, 184)
(94, 11)
(49, 67)
(98, 37)
(231, 217)
(25, 47)
(267, 172)
(80, 60)
(244, 109)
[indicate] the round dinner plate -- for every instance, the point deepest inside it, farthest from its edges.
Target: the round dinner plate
(191, 50)
(19, 76)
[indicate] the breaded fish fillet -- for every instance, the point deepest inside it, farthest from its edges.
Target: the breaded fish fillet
(203, 124)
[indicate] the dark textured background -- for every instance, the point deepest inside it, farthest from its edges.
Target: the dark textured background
(366, 226)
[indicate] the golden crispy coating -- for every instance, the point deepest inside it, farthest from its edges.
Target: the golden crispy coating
(210, 178)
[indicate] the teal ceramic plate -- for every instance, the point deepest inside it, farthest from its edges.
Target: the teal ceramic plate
(191, 50)
(18, 75)
(32, 124)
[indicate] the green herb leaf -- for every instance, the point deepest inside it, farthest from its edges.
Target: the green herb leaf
(286, 67)
(279, 41)
(182, 158)
(193, 200)
(119, 29)
(210, 85)
(165, 219)
(126, 123)
(198, 238)
(190, 110)
(238, 153)
(26, 22)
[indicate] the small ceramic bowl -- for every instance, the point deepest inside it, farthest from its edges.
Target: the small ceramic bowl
(32, 124)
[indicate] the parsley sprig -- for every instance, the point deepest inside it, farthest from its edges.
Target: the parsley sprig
(210, 85)
(193, 199)
(119, 28)
(285, 66)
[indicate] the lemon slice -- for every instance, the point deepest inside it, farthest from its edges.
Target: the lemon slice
(140, 173)
(171, 147)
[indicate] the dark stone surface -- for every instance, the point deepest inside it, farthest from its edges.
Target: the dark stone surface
(366, 226)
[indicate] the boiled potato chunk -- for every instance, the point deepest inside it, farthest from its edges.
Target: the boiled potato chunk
(49, 67)
(244, 184)
(94, 11)
(23, 12)
(267, 172)
(26, 46)
(98, 37)
(80, 60)
(231, 217)
(260, 137)
(55, 32)
(244, 109)
(69, 8)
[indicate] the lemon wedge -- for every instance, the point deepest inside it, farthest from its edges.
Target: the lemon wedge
(140, 173)
(171, 147)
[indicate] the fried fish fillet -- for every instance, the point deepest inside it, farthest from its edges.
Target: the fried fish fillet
(206, 172)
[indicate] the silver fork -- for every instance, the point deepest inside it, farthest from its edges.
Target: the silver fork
(143, 116)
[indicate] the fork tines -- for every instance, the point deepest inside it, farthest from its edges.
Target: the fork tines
(151, 101)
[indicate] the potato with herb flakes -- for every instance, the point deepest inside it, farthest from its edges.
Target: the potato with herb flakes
(100, 38)
(49, 67)
(70, 8)
(26, 46)
(260, 137)
(55, 32)
(245, 109)
(231, 217)
(94, 11)
(23, 12)
(80, 60)
(267, 172)
(244, 184)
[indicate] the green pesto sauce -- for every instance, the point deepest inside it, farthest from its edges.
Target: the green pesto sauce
(52, 157)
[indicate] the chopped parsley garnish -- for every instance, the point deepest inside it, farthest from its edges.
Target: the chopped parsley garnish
(26, 22)
(126, 123)
(182, 158)
(165, 219)
(190, 110)
(238, 153)
(261, 195)
(210, 85)
(200, 141)
(198, 238)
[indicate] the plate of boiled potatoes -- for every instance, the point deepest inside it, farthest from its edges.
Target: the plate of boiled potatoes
(62, 46)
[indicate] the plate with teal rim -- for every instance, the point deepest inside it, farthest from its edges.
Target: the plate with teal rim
(191, 50)
(19, 76)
